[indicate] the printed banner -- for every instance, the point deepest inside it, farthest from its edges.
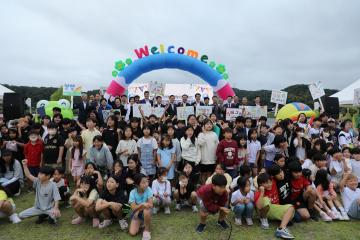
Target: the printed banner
(106, 114)
(247, 111)
(71, 90)
(157, 89)
(357, 97)
(159, 111)
(146, 108)
(278, 97)
(204, 110)
(316, 90)
(184, 112)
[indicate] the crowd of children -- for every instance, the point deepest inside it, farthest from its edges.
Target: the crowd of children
(127, 169)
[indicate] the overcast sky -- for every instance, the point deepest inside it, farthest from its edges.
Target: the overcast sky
(263, 44)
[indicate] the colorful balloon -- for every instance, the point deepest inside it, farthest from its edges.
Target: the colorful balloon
(177, 61)
(292, 111)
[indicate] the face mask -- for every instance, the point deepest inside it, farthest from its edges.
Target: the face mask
(33, 138)
(326, 134)
(301, 134)
(164, 178)
(52, 132)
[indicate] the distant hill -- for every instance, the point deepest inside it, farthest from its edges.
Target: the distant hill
(299, 93)
(296, 93)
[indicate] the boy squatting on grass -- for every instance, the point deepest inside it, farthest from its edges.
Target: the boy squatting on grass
(47, 196)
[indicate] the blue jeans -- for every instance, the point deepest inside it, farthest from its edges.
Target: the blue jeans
(246, 210)
(354, 209)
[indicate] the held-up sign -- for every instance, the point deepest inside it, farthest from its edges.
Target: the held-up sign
(357, 97)
(146, 108)
(232, 113)
(278, 97)
(184, 112)
(316, 90)
(247, 111)
(158, 111)
(204, 110)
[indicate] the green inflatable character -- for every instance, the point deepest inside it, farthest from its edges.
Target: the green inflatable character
(63, 104)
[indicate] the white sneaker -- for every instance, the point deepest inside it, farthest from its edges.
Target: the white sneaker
(249, 221)
(14, 218)
(178, 207)
(238, 221)
(167, 210)
(345, 216)
(123, 224)
(194, 208)
(325, 217)
(155, 210)
(264, 223)
(105, 223)
(146, 235)
(337, 215)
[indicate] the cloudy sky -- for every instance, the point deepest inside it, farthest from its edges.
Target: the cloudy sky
(266, 44)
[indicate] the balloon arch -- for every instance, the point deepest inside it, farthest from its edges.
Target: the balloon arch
(126, 72)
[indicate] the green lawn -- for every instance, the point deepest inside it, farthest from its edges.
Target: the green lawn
(178, 225)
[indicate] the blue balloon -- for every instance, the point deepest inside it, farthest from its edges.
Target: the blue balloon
(176, 61)
(173, 61)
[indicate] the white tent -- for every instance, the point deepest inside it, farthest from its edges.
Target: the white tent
(4, 90)
(346, 96)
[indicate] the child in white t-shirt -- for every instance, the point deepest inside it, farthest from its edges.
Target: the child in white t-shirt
(337, 166)
(355, 163)
(161, 189)
(350, 194)
(243, 201)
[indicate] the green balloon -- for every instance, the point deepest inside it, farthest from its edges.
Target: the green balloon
(114, 73)
(128, 61)
(225, 76)
(119, 65)
(220, 68)
(212, 64)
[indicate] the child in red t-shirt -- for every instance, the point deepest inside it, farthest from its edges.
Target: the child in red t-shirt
(267, 202)
(212, 199)
(33, 151)
(302, 195)
(227, 153)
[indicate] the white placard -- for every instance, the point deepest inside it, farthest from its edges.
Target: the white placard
(278, 97)
(255, 111)
(247, 111)
(233, 113)
(316, 90)
(204, 110)
(106, 114)
(184, 112)
(158, 111)
(146, 108)
(357, 97)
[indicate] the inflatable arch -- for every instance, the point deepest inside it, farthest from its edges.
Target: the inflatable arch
(170, 60)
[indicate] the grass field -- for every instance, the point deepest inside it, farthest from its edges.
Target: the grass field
(178, 225)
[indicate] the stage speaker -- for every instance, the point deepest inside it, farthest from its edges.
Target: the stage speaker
(331, 105)
(13, 106)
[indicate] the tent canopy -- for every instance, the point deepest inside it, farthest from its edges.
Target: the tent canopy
(4, 90)
(346, 96)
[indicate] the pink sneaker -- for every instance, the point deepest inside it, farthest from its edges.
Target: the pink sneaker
(77, 220)
(96, 222)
